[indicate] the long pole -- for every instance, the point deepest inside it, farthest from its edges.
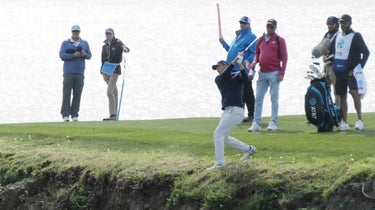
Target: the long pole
(219, 20)
(122, 91)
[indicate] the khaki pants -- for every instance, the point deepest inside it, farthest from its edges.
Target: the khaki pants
(331, 80)
(112, 92)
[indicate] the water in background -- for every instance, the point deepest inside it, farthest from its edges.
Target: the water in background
(173, 45)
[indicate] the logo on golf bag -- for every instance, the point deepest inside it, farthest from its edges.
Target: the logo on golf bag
(319, 108)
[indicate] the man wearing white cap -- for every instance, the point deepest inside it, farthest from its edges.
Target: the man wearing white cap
(73, 51)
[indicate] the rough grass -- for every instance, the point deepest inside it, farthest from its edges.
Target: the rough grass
(294, 161)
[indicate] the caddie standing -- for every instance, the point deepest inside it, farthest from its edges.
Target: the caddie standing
(112, 52)
(350, 52)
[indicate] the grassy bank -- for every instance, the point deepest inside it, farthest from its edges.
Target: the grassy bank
(295, 162)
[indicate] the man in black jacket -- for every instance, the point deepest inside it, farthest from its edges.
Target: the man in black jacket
(112, 52)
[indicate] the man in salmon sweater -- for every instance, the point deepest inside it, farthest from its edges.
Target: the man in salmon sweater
(272, 56)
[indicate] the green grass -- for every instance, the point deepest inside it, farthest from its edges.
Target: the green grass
(294, 161)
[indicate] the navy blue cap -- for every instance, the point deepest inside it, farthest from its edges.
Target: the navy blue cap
(332, 19)
(345, 18)
(221, 62)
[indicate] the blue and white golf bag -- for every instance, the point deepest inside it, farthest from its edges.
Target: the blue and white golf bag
(319, 108)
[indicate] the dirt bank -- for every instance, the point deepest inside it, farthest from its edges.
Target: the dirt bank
(71, 189)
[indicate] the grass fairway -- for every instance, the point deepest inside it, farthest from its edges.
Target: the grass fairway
(294, 163)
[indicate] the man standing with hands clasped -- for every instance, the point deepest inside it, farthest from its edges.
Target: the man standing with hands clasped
(230, 84)
(350, 52)
(272, 56)
(73, 51)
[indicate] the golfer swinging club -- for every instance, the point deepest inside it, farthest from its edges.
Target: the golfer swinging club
(231, 85)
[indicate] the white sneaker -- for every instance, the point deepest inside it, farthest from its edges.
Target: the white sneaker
(216, 166)
(272, 126)
(254, 127)
(66, 118)
(249, 153)
(343, 126)
(75, 119)
(359, 125)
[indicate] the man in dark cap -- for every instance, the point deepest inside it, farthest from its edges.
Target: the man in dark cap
(333, 29)
(350, 52)
(272, 56)
(230, 84)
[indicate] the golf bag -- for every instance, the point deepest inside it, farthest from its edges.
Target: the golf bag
(319, 108)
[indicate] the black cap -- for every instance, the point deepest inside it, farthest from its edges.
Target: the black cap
(332, 19)
(221, 62)
(272, 22)
(345, 18)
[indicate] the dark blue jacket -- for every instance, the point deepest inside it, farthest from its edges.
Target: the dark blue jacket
(230, 84)
(358, 53)
(74, 65)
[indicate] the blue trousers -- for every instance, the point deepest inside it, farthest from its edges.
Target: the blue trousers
(72, 82)
(265, 80)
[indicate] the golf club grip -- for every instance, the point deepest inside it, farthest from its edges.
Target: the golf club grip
(219, 20)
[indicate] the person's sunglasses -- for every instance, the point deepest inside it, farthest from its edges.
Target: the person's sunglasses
(75, 31)
(270, 26)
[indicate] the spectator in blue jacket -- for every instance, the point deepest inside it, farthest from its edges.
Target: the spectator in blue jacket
(244, 37)
(73, 52)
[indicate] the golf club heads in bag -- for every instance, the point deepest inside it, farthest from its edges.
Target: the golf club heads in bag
(314, 71)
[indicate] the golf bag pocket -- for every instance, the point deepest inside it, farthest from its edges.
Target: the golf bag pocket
(339, 65)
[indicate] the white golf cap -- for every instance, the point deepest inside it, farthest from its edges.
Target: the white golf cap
(76, 28)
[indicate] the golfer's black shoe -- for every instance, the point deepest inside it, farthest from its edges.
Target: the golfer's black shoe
(113, 117)
(248, 119)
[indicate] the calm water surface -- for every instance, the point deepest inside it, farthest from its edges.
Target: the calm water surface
(173, 45)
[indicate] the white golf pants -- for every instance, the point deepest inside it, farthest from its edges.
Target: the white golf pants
(231, 117)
